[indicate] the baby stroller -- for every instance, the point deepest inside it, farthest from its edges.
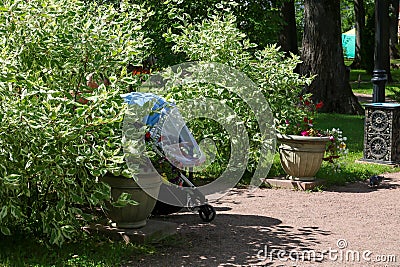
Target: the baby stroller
(169, 137)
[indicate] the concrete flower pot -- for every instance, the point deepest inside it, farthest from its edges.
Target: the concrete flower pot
(301, 156)
(133, 216)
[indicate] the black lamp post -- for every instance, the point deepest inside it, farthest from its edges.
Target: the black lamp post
(381, 30)
(382, 124)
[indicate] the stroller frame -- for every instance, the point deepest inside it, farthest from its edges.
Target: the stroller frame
(194, 198)
(181, 147)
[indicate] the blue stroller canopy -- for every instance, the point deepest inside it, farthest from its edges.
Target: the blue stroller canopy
(136, 98)
(168, 130)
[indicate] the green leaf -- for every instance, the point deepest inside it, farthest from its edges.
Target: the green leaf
(67, 230)
(3, 212)
(123, 200)
(76, 198)
(71, 171)
(5, 230)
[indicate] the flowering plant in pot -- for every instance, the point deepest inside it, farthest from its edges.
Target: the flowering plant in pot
(303, 147)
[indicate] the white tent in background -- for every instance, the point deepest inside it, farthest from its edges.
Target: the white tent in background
(349, 43)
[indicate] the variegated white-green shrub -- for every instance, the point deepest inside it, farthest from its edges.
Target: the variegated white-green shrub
(58, 132)
(217, 39)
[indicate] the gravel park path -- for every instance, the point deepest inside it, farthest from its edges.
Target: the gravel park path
(352, 225)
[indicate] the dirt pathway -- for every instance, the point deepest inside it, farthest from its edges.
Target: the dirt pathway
(366, 98)
(344, 226)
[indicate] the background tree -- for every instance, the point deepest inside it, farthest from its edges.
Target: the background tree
(259, 19)
(368, 39)
(322, 55)
(288, 34)
(359, 12)
(393, 32)
(347, 14)
(382, 52)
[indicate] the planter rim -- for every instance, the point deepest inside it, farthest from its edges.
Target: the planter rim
(301, 138)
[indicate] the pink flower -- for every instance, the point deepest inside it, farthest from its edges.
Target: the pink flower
(304, 133)
(148, 135)
(319, 105)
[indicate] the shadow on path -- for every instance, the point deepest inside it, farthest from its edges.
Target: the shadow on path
(388, 183)
(230, 240)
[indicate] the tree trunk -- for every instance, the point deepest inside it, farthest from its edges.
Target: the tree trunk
(368, 41)
(288, 35)
(381, 55)
(322, 55)
(393, 32)
(359, 11)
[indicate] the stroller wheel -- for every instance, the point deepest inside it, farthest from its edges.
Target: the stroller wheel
(207, 213)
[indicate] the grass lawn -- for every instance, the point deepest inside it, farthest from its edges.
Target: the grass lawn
(353, 129)
(360, 81)
(22, 250)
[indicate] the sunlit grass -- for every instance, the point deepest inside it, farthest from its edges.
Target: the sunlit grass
(360, 81)
(352, 169)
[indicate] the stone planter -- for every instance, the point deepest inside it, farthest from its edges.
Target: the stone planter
(133, 216)
(301, 156)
